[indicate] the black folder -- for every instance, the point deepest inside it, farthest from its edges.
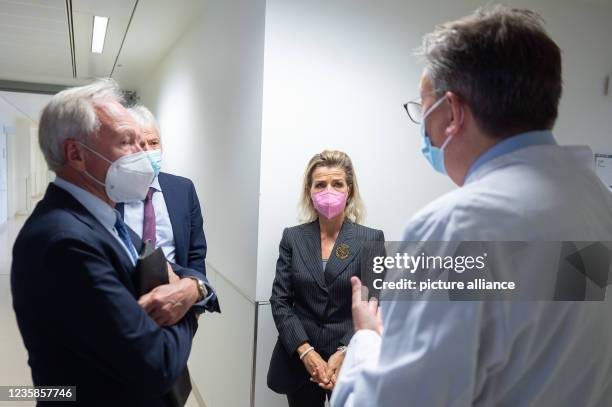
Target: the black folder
(151, 271)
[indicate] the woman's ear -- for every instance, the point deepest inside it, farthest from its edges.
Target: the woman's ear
(457, 110)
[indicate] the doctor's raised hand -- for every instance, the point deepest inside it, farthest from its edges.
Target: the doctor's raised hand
(366, 314)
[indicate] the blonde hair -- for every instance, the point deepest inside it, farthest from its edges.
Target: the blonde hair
(354, 210)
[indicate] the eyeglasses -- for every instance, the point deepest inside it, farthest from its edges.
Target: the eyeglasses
(414, 108)
(415, 111)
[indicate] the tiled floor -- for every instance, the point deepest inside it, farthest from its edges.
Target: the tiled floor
(14, 369)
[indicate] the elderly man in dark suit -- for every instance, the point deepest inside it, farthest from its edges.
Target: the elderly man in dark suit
(170, 215)
(76, 305)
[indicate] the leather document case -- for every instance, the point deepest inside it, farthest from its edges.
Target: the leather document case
(151, 271)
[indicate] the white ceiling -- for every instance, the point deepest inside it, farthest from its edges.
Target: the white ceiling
(157, 25)
(35, 41)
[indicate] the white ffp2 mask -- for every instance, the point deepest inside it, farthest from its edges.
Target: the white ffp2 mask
(128, 178)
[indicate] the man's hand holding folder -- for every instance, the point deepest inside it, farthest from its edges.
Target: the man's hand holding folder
(163, 295)
(166, 298)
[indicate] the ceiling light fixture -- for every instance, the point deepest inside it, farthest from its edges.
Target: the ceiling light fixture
(99, 34)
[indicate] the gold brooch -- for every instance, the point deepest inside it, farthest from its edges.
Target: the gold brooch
(342, 251)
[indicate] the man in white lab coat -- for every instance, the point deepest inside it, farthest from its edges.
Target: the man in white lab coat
(489, 97)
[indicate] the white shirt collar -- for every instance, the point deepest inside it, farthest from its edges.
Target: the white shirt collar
(102, 211)
(155, 184)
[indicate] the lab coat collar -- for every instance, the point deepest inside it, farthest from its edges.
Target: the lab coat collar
(511, 144)
(536, 155)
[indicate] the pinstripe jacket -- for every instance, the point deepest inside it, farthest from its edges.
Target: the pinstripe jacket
(312, 304)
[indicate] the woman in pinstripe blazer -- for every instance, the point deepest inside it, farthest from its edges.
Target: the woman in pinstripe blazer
(311, 294)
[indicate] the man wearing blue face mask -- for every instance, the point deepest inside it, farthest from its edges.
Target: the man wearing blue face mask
(435, 155)
(169, 215)
(489, 98)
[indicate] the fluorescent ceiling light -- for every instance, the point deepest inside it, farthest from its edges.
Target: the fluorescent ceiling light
(99, 34)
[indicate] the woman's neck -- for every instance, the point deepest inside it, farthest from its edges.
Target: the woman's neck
(331, 227)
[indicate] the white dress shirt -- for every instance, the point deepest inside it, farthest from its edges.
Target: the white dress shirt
(133, 214)
(497, 353)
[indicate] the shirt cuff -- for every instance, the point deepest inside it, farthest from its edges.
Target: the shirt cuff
(210, 303)
(364, 349)
(363, 353)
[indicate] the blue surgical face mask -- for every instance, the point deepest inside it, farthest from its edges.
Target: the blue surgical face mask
(156, 160)
(433, 154)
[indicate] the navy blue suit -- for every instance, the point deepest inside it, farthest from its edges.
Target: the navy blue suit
(187, 225)
(78, 314)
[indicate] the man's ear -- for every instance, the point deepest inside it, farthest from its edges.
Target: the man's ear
(457, 110)
(74, 155)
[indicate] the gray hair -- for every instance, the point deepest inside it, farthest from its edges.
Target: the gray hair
(71, 115)
(502, 63)
(144, 118)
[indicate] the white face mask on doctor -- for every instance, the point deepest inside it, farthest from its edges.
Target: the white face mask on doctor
(128, 178)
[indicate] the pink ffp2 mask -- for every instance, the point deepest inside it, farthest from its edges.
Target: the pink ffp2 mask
(329, 203)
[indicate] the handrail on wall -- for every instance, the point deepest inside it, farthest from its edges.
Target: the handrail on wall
(231, 283)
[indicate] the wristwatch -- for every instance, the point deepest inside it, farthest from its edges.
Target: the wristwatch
(201, 288)
(342, 349)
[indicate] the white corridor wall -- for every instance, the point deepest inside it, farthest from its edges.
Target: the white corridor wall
(255, 88)
(3, 176)
(336, 76)
(207, 96)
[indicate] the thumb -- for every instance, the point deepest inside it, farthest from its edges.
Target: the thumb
(356, 290)
(324, 375)
(143, 300)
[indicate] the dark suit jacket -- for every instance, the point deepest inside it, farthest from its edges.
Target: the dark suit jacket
(78, 314)
(310, 304)
(187, 225)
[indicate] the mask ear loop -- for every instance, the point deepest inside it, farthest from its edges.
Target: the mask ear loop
(99, 155)
(449, 138)
(433, 107)
(95, 152)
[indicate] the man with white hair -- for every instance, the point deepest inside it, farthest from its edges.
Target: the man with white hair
(73, 295)
(170, 215)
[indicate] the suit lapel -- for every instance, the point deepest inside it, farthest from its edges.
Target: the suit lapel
(172, 199)
(311, 252)
(136, 240)
(344, 252)
(124, 257)
(58, 197)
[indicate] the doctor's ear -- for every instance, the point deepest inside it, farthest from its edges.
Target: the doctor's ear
(457, 109)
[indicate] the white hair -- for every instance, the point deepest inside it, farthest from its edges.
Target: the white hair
(144, 118)
(70, 115)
